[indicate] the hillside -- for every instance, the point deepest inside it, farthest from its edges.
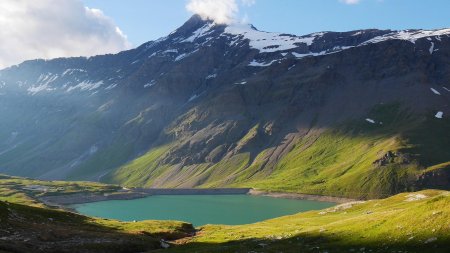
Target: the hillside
(357, 114)
(410, 222)
(33, 229)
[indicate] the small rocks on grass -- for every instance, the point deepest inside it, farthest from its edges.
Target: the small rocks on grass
(432, 239)
(164, 244)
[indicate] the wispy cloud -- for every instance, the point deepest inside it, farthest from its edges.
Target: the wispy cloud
(350, 1)
(55, 28)
(220, 11)
(248, 2)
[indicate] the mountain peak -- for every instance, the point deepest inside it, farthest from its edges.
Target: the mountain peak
(191, 25)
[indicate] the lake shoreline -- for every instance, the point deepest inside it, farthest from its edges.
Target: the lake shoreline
(300, 196)
(65, 201)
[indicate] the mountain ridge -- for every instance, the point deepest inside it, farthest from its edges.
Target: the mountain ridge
(214, 105)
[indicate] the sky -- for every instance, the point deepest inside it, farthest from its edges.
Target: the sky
(62, 28)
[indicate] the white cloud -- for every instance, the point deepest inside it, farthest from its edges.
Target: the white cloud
(55, 28)
(221, 11)
(350, 1)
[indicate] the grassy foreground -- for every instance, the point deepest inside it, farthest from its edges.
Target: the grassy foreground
(34, 229)
(408, 222)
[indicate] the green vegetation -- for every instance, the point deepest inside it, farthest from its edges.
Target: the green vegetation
(409, 222)
(140, 171)
(28, 224)
(27, 229)
(355, 159)
(27, 191)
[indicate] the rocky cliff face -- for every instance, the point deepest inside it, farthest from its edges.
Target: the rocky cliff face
(355, 113)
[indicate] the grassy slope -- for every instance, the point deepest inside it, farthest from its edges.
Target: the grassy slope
(34, 229)
(12, 189)
(139, 172)
(339, 161)
(389, 225)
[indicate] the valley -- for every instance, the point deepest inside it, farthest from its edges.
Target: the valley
(255, 141)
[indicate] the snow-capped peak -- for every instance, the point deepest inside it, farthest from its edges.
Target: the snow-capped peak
(197, 30)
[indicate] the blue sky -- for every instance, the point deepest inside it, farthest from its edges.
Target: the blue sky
(144, 20)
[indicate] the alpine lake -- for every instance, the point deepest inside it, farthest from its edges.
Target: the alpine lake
(200, 209)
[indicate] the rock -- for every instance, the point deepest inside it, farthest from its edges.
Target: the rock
(429, 240)
(164, 244)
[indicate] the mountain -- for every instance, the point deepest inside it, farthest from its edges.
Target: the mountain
(358, 114)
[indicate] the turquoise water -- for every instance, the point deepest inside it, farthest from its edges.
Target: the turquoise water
(200, 209)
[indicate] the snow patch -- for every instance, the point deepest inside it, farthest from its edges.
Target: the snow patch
(299, 56)
(33, 90)
(195, 96)
(212, 76)
(86, 85)
(171, 51)
(201, 32)
(72, 71)
(439, 115)
(431, 48)
(150, 84)
(182, 56)
(43, 84)
(409, 35)
(266, 42)
(435, 91)
(370, 121)
(254, 63)
(445, 88)
(112, 86)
